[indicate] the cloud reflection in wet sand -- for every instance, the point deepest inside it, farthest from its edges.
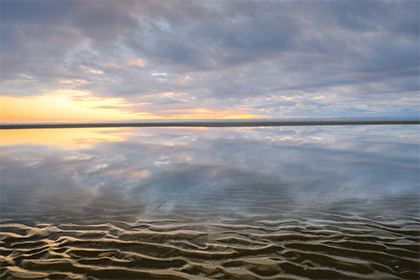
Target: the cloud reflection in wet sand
(220, 203)
(223, 170)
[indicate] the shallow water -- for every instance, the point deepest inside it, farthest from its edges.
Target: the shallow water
(219, 203)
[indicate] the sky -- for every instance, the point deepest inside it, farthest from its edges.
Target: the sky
(128, 60)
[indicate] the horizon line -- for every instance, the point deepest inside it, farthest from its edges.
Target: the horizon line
(219, 123)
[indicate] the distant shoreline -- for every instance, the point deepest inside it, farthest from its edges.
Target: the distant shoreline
(218, 123)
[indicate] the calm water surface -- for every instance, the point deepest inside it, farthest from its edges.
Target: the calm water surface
(339, 202)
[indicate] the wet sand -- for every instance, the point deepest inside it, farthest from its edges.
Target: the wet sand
(242, 208)
(292, 246)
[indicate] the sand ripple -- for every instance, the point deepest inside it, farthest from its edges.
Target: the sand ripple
(270, 247)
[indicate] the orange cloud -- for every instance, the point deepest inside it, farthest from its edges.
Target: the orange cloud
(183, 80)
(203, 113)
(134, 62)
(74, 82)
(110, 64)
(288, 97)
(91, 70)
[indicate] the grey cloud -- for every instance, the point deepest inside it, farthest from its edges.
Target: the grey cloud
(375, 15)
(393, 58)
(104, 23)
(234, 36)
(38, 37)
(38, 12)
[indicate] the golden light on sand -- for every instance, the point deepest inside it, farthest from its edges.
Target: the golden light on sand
(64, 138)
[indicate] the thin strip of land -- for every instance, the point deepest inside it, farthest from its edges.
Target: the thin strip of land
(218, 123)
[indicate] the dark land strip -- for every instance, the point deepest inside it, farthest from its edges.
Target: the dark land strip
(219, 123)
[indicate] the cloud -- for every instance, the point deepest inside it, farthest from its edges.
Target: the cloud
(134, 62)
(232, 52)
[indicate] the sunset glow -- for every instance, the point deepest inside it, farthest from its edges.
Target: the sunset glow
(81, 107)
(52, 108)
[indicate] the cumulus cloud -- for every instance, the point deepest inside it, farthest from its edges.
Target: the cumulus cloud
(222, 53)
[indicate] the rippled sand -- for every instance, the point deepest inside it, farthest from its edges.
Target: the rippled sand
(260, 247)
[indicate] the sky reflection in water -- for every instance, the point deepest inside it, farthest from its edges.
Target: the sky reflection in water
(363, 170)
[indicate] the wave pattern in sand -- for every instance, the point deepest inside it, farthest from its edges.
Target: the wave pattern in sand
(269, 247)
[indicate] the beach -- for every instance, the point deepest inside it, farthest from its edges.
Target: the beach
(221, 203)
